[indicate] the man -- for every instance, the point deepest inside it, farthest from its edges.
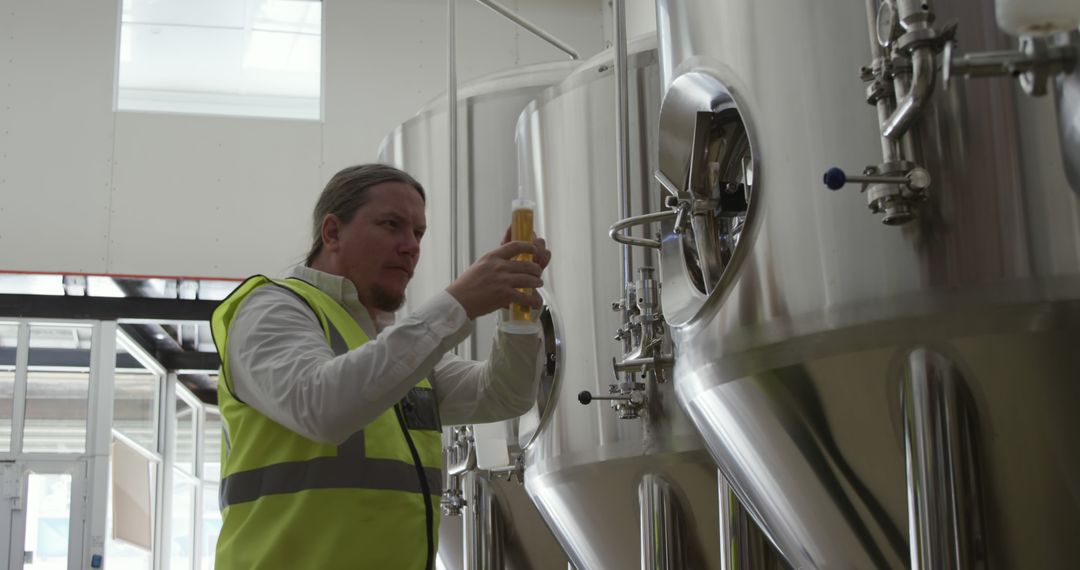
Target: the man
(332, 455)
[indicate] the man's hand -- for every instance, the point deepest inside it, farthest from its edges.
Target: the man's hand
(493, 281)
(542, 256)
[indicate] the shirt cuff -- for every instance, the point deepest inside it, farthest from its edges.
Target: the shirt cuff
(444, 314)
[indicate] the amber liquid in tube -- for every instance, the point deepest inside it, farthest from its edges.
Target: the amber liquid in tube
(521, 229)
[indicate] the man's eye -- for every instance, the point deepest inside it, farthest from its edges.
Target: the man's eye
(419, 236)
(390, 223)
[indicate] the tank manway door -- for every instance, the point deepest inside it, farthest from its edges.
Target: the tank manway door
(707, 166)
(498, 448)
(711, 212)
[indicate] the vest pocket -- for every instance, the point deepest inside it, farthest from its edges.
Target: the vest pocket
(421, 410)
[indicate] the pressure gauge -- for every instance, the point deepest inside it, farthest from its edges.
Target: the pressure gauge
(888, 26)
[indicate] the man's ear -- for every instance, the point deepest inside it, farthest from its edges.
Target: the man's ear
(330, 232)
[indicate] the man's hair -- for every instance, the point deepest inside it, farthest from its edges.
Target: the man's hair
(347, 191)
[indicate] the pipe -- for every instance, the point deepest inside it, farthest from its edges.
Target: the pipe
(871, 23)
(484, 527)
(889, 149)
(944, 508)
(617, 227)
(732, 556)
(637, 364)
(452, 104)
(912, 11)
(661, 532)
(451, 94)
(912, 95)
(563, 46)
(622, 154)
(742, 542)
(455, 464)
(908, 108)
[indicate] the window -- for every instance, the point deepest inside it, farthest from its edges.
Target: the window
(211, 476)
(185, 435)
(221, 57)
(211, 525)
(120, 553)
(132, 494)
(211, 449)
(182, 548)
(136, 390)
(8, 343)
(134, 497)
(57, 387)
(185, 520)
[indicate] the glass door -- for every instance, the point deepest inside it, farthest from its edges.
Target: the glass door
(42, 512)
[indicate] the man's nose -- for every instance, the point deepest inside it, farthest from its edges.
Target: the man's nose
(410, 244)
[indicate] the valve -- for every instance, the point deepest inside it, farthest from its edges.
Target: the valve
(917, 179)
(627, 398)
(892, 194)
(586, 397)
(452, 502)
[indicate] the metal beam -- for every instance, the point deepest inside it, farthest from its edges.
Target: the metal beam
(104, 308)
(176, 360)
(80, 358)
(63, 358)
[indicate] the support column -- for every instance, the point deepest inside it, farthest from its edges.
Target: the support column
(944, 509)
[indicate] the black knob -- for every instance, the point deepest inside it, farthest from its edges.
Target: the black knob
(584, 397)
(835, 178)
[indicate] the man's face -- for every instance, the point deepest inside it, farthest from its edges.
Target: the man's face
(379, 247)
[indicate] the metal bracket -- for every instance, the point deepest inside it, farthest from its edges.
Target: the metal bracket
(1034, 63)
(11, 485)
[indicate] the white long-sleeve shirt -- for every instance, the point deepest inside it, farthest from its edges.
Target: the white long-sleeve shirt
(281, 365)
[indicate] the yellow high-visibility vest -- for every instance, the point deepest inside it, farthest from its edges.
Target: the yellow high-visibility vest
(292, 503)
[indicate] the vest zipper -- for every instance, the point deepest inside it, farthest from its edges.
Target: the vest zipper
(424, 487)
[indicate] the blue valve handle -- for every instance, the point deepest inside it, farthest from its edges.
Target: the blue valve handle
(835, 178)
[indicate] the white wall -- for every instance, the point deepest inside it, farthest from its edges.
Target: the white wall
(87, 189)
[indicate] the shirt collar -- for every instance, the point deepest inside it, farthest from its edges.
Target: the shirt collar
(344, 292)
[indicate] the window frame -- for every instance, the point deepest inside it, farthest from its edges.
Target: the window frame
(320, 112)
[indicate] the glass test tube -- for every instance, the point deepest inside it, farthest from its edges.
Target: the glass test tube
(521, 229)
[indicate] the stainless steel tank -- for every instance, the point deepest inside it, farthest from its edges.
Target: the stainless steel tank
(618, 493)
(880, 396)
(499, 528)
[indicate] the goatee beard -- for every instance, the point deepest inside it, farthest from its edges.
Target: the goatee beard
(386, 301)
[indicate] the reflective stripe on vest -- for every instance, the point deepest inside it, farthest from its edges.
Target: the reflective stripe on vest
(349, 470)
